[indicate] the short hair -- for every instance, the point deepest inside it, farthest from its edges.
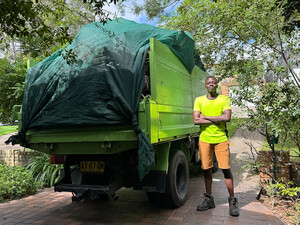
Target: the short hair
(211, 77)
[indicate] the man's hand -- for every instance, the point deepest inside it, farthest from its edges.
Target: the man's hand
(225, 117)
(201, 119)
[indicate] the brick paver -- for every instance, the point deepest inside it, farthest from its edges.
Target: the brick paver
(48, 207)
(133, 207)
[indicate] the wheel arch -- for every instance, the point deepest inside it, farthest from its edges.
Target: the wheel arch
(181, 145)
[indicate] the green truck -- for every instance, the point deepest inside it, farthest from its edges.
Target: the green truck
(101, 159)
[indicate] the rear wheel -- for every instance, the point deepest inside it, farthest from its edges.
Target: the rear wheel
(177, 180)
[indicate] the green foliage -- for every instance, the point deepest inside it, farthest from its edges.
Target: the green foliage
(159, 8)
(12, 81)
(284, 145)
(45, 173)
(152, 8)
(277, 111)
(248, 41)
(288, 190)
(38, 25)
(69, 56)
(13, 18)
(15, 182)
(34, 28)
(48, 24)
(271, 191)
(252, 165)
(296, 220)
(290, 7)
(234, 124)
(283, 191)
(238, 35)
(8, 129)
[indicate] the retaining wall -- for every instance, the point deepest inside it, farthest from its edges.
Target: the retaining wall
(285, 169)
(18, 157)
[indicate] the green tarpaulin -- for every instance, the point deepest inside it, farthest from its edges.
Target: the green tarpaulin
(104, 86)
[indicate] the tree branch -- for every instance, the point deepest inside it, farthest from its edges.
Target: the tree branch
(297, 80)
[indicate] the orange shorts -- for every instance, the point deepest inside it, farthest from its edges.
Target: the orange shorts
(206, 154)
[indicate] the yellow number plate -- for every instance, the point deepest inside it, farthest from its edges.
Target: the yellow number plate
(92, 166)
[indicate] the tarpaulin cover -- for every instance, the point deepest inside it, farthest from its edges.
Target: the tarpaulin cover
(104, 86)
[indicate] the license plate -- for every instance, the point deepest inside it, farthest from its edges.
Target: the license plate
(92, 166)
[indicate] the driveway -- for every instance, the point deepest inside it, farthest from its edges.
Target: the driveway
(133, 207)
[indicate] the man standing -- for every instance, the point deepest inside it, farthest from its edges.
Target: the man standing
(211, 112)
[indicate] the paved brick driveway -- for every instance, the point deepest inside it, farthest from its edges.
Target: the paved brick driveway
(133, 207)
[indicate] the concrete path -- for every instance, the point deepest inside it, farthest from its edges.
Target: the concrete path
(132, 207)
(3, 146)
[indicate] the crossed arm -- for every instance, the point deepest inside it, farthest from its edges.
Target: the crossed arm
(201, 119)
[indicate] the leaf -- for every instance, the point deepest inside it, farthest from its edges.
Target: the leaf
(43, 171)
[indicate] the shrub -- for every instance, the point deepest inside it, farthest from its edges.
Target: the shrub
(45, 173)
(288, 190)
(15, 182)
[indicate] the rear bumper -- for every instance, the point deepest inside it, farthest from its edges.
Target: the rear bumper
(99, 189)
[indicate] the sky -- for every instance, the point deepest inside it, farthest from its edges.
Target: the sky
(142, 18)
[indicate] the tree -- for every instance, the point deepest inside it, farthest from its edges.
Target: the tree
(12, 82)
(154, 8)
(291, 8)
(158, 8)
(40, 26)
(23, 18)
(248, 40)
(35, 29)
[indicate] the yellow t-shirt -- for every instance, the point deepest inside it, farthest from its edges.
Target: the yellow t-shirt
(216, 132)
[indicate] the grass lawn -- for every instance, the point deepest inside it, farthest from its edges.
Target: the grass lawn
(233, 125)
(8, 129)
(289, 145)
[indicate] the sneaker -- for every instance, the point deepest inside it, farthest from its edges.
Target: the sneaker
(233, 206)
(207, 203)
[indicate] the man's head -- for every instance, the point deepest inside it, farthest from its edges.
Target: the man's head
(211, 84)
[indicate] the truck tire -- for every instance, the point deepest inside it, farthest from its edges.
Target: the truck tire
(177, 180)
(215, 164)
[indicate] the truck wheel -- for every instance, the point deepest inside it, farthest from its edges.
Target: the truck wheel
(177, 180)
(215, 164)
(155, 198)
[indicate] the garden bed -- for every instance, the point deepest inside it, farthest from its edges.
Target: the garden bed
(285, 210)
